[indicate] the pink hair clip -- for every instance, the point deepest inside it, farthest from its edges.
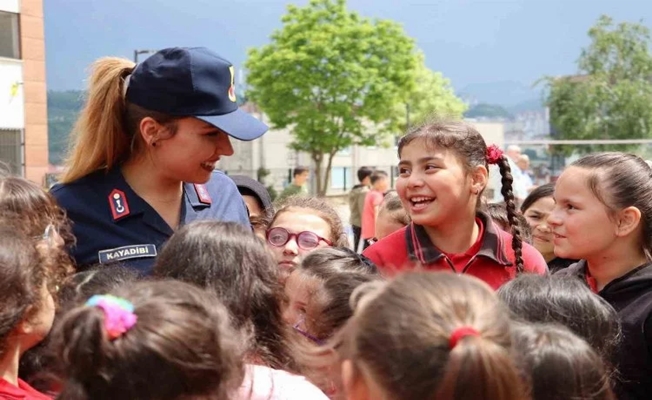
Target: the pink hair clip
(119, 314)
(494, 154)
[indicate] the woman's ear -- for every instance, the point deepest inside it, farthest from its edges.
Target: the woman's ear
(627, 221)
(150, 130)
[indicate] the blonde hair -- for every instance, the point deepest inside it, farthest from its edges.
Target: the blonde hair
(106, 132)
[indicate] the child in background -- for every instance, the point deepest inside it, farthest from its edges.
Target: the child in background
(356, 203)
(258, 201)
(498, 214)
(149, 341)
(442, 174)
(391, 216)
(603, 217)
(26, 307)
(559, 365)
(428, 336)
(536, 209)
(379, 185)
(567, 302)
(297, 187)
(302, 225)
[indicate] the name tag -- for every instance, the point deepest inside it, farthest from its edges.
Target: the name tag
(126, 252)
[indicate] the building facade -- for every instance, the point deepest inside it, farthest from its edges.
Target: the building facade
(23, 93)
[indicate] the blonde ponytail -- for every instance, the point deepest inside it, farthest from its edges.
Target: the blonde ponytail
(99, 138)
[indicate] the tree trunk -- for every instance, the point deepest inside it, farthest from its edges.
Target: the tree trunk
(327, 174)
(317, 159)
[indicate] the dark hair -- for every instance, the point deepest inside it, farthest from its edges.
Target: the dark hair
(392, 204)
(339, 272)
(181, 346)
(299, 170)
(621, 180)
(363, 173)
(556, 364)
(33, 209)
(377, 175)
(39, 366)
(566, 301)
(23, 273)
(469, 146)
(498, 213)
(540, 192)
(322, 209)
(401, 334)
(227, 259)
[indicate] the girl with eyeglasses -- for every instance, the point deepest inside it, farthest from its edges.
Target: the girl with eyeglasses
(302, 225)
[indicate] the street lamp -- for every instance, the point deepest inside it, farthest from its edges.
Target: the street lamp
(137, 52)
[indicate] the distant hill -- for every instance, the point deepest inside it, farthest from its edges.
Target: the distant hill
(484, 110)
(63, 108)
(509, 94)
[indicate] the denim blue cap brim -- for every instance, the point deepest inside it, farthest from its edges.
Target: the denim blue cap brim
(237, 124)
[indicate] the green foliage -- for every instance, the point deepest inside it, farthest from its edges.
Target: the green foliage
(63, 108)
(334, 77)
(611, 97)
(433, 97)
(484, 110)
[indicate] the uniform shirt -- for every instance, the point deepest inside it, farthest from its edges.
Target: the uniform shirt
(112, 223)
(490, 258)
(21, 392)
(631, 297)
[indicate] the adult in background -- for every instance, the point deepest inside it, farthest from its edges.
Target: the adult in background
(298, 185)
(356, 203)
(144, 154)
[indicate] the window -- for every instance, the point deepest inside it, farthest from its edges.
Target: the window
(9, 35)
(339, 178)
(10, 150)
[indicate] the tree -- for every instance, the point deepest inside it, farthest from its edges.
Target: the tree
(611, 97)
(334, 78)
(433, 96)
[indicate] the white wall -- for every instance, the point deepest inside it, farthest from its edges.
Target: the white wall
(12, 102)
(10, 6)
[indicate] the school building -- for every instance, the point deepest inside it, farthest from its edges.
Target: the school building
(23, 94)
(272, 155)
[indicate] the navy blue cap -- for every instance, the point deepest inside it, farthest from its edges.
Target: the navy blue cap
(192, 82)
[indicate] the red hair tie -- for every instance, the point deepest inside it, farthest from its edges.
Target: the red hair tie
(494, 154)
(461, 333)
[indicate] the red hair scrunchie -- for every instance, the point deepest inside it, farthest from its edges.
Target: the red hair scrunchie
(461, 333)
(494, 154)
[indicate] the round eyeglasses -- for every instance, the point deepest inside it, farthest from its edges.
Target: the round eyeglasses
(306, 240)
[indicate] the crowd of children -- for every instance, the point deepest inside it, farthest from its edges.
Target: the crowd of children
(441, 297)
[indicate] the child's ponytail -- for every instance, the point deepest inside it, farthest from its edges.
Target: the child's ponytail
(495, 156)
(478, 369)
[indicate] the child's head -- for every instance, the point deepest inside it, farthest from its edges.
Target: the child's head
(379, 180)
(26, 286)
(318, 291)
(391, 216)
(443, 171)
(258, 201)
(227, 259)
(299, 214)
(364, 175)
(565, 301)
(428, 335)
(536, 209)
(300, 175)
(604, 205)
(556, 364)
(498, 214)
(37, 214)
(159, 340)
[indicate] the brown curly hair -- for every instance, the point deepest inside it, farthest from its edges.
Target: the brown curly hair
(33, 209)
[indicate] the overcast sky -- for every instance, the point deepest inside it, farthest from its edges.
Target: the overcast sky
(471, 41)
